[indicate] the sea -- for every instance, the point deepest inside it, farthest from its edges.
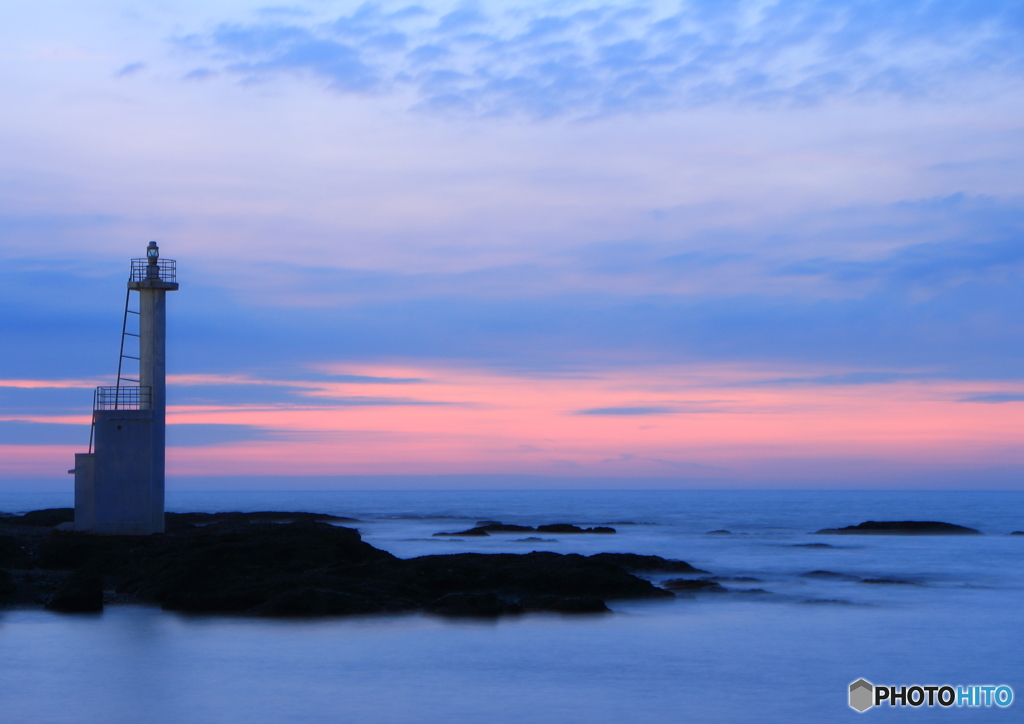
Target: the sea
(778, 646)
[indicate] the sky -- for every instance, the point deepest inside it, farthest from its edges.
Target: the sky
(503, 244)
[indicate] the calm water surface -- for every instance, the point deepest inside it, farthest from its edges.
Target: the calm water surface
(786, 654)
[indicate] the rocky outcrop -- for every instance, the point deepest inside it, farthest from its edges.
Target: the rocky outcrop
(487, 527)
(80, 593)
(690, 585)
(647, 564)
(293, 564)
(901, 527)
(564, 604)
(42, 518)
(485, 605)
(7, 587)
(568, 528)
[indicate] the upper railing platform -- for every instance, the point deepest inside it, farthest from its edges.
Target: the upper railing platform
(122, 398)
(163, 271)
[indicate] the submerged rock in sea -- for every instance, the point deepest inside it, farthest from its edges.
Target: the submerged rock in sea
(568, 528)
(487, 527)
(478, 532)
(901, 527)
(492, 526)
(828, 574)
(495, 527)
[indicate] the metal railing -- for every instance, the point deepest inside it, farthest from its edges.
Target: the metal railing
(122, 398)
(163, 271)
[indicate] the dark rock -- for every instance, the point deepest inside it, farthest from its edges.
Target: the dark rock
(1017, 532)
(813, 545)
(7, 587)
(487, 527)
(516, 575)
(484, 605)
(719, 532)
(42, 518)
(9, 550)
(67, 552)
(699, 585)
(174, 521)
(740, 579)
(827, 574)
(495, 527)
(567, 528)
(80, 593)
(564, 604)
(239, 569)
(559, 528)
(901, 527)
(257, 564)
(535, 539)
(479, 532)
(888, 581)
(635, 562)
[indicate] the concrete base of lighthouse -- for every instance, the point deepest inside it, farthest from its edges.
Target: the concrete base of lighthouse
(119, 489)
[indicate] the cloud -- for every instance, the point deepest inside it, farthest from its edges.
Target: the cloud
(130, 69)
(626, 411)
(23, 432)
(204, 434)
(586, 59)
(876, 301)
(199, 74)
(997, 397)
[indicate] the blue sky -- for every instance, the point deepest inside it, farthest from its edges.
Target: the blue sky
(826, 195)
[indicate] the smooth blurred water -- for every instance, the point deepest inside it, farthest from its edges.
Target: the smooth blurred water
(785, 655)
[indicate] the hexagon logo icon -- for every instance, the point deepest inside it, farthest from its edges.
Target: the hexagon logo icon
(862, 694)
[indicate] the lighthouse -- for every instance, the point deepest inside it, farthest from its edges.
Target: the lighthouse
(119, 483)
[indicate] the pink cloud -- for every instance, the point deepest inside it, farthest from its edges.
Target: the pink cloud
(658, 422)
(711, 422)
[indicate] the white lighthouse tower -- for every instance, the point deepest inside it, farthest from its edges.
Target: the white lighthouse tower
(119, 483)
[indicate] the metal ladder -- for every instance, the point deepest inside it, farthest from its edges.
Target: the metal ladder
(120, 360)
(125, 333)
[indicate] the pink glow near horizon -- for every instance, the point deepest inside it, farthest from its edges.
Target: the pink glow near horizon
(470, 421)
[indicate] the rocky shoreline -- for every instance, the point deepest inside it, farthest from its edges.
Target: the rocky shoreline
(306, 564)
(297, 564)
